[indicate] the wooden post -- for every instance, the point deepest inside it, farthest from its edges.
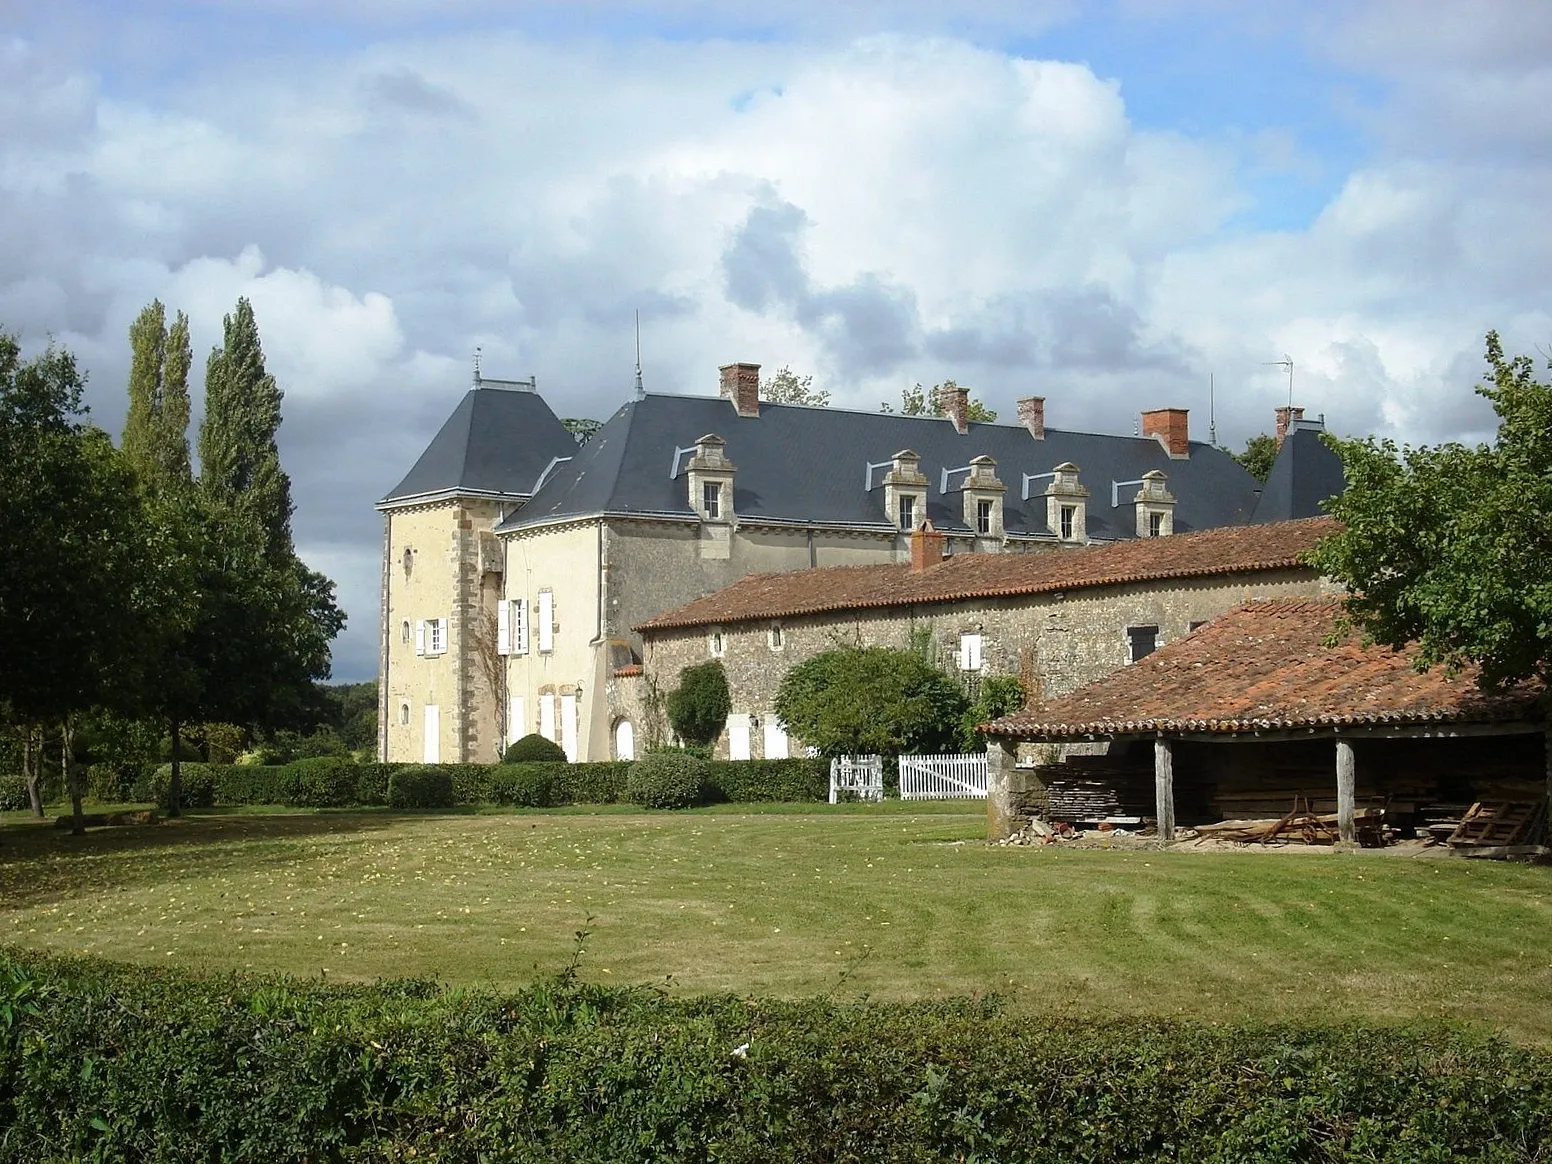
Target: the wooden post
(1345, 783)
(1164, 787)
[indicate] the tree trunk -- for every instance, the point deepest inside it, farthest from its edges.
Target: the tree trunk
(72, 777)
(32, 770)
(175, 781)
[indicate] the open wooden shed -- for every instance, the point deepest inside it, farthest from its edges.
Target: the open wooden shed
(1262, 709)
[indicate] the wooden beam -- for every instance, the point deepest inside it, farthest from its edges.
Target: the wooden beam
(1164, 787)
(1346, 781)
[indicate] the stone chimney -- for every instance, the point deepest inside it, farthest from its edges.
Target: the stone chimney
(1287, 417)
(954, 403)
(926, 546)
(1170, 427)
(741, 385)
(1031, 414)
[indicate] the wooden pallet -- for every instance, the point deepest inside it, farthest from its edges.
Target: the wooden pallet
(1498, 822)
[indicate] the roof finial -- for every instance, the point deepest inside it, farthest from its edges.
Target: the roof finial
(641, 390)
(476, 365)
(1212, 418)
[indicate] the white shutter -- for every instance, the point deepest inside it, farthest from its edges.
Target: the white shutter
(546, 621)
(503, 627)
(568, 726)
(776, 747)
(420, 636)
(969, 652)
(547, 716)
(738, 735)
(431, 748)
(517, 720)
(520, 626)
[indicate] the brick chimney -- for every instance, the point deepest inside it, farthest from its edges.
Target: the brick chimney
(1170, 427)
(926, 546)
(1286, 417)
(954, 403)
(741, 385)
(1031, 414)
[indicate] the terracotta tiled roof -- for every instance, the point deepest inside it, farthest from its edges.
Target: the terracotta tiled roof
(1265, 665)
(629, 671)
(1229, 550)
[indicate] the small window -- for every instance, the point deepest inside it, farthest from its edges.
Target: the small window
(711, 500)
(404, 714)
(776, 639)
(1155, 525)
(1069, 517)
(970, 651)
(409, 561)
(404, 631)
(908, 512)
(436, 636)
(983, 517)
(1143, 640)
(717, 644)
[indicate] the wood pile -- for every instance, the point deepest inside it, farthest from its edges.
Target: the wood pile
(1494, 823)
(1091, 789)
(1301, 825)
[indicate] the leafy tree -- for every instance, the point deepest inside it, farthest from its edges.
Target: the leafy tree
(581, 427)
(787, 387)
(862, 700)
(1449, 547)
(999, 695)
(919, 401)
(1260, 452)
(156, 425)
(698, 708)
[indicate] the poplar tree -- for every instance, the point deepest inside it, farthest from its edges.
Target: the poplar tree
(156, 426)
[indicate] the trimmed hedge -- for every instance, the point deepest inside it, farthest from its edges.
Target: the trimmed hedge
(667, 780)
(421, 786)
(751, 781)
(99, 1061)
(196, 782)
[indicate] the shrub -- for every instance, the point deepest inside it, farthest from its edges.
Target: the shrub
(598, 783)
(197, 784)
(320, 782)
(526, 785)
(372, 782)
(698, 708)
(421, 786)
(534, 747)
(253, 784)
(13, 794)
(747, 781)
(667, 780)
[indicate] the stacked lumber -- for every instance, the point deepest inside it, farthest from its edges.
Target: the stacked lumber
(1091, 789)
(1300, 825)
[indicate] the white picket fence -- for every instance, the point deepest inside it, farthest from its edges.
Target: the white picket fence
(943, 777)
(858, 776)
(921, 777)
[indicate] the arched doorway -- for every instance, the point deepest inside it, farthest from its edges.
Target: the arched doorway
(624, 740)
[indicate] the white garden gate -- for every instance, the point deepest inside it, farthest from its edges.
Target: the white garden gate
(958, 777)
(861, 777)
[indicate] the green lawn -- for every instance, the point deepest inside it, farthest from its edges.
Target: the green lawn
(899, 901)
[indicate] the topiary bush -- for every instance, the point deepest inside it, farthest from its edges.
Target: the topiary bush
(320, 782)
(534, 747)
(421, 786)
(667, 780)
(197, 781)
(698, 708)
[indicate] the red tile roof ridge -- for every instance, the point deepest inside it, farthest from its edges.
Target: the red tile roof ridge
(961, 577)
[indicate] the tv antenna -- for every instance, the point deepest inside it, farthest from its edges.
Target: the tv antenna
(1285, 362)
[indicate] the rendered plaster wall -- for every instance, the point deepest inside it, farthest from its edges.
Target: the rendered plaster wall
(1052, 644)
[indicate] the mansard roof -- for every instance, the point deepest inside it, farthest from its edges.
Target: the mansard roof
(965, 577)
(1272, 664)
(496, 443)
(1304, 474)
(808, 466)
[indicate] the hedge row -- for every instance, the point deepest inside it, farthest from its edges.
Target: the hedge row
(99, 1061)
(332, 781)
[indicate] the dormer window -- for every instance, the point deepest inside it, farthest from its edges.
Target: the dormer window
(711, 500)
(983, 517)
(1155, 525)
(907, 512)
(1069, 517)
(1067, 505)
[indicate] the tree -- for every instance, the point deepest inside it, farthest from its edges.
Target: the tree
(998, 695)
(864, 700)
(156, 425)
(1451, 547)
(1260, 452)
(698, 708)
(581, 427)
(919, 401)
(787, 387)
(75, 580)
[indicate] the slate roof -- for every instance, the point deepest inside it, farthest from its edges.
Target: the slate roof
(1304, 474)
(807, 466)
(496, 443)
(1266, 665)
(1230, 550)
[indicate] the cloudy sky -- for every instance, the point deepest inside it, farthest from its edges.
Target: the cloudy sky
(1102, 203)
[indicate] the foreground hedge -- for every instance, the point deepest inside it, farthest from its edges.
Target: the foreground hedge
(99, 1061)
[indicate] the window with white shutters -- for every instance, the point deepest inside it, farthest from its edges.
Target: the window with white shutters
(436, 636)
(546, 621)
(503, 627)
(970, 652)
